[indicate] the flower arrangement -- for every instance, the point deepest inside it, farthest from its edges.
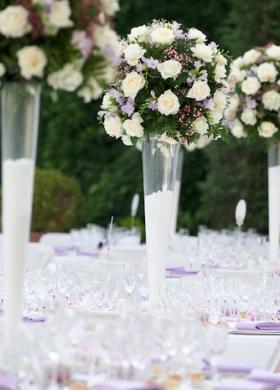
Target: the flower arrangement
(168, 82)
(254, 108)
(68, 44)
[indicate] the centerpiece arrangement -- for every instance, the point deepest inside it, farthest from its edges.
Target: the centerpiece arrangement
(70, 46)
(254, 111)
(169, 89)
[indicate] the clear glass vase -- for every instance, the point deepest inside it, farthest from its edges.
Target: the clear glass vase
(177, 191)
(160, 161)
(20, 106)
(274, 200)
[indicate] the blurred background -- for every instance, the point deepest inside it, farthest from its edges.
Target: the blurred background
(85, 176)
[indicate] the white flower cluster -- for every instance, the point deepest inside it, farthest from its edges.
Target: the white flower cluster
(16, 22)
(183, 78)
(255, 78)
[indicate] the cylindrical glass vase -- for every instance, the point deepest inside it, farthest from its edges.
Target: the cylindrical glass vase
(160, 161)
(20, 106)
(274, 200)
(177, 191)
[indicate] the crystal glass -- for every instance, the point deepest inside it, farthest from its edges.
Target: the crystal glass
(177, 190)
(160, 161)
(20, 119)
(274, 200)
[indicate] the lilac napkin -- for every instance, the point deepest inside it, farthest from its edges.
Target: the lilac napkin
(62, 249)
(230, 368)
(180, 271)
(265, 377)
(242, 384)
(33, 319)
(124, 385)
(8, 382)
(251, 325)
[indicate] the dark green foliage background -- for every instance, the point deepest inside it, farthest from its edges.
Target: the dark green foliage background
(109, 173)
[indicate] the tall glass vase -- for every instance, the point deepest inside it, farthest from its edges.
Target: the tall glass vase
(20, 106)
(274, 200)
(159, 167)
(177, 191)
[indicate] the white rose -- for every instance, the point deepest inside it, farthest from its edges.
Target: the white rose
(220, 100)
(69, 78)
(237, 130)
(199, 91)
(139, 33)
(162, 35)
(190, 147)
(60, 13)
(250, 86)
(267, 72)
(32, 61)
(273, 52)
(237, 63)
(202, 52)
(216, 116)
(2, 69)
(220, 73)
(133, 128)
(132, 53)
(200, 125)
(169, 69)
(168, 140)
(250, 57)
(132, 84)
(113, 126)
(14, 21)
(221, 60)
(249, 116)
(108, 103)
(168, 103)
(110, 7)
(126, 140)
(231, 109)
(267, 129)
(137, 117)
(237, 74)
(196, 35)
(271, 100)
(91, 91)
(203, 142)
(104, 36)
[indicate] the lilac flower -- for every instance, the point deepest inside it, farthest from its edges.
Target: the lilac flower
(213, 45)
(153, 105)
(128, 107)
(253, 71)
(250, 103)
(112, 55)
(150, 62)
(82, 42)
(190, 79)
(208, 103)
(179, 34)
(114, 93)
(197, 64)
(203, 75)
(101, 114)
(48, 5)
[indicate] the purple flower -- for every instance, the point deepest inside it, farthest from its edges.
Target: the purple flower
(101, 114)
(48, 5)
(208, 103)
(111, 55)
(250, 103)
(82, 42)
(128, 107)
(153, 105)
(114, 93)
(213, 45)
(197, 64)
(190, 79)
(150, 62)
(203, 75)
(179, 33)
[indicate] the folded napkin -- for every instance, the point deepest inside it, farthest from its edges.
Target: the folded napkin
(230, 368)
(265, 377)
(242, 384)
(124, 385)
(8, 382)
(33, 319)
(180, 271)
(252, 325)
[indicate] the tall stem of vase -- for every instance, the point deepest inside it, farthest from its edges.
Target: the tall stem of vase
(20, 105)
(177, 190)
(159, 167)
(274, 200)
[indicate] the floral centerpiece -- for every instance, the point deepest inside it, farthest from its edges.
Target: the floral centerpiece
(254, 108)
(254, 111)
(169, 89)
(70, 44)
(169, 81)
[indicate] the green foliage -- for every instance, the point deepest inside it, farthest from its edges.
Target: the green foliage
(58, 202)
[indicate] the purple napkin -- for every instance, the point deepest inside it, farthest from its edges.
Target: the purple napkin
(265, 377)
(251, 325)
(124, 385)
(8, 382)
(62, 249)
(33, 319)
(242, 384)
(181, 271)
(230, 368)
